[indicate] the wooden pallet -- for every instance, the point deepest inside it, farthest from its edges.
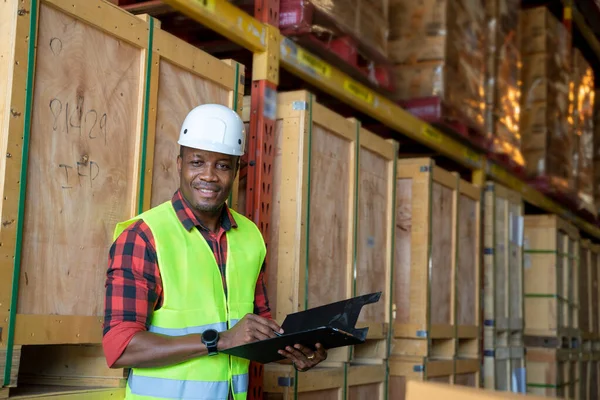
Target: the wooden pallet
(551, 294)
(436, 271)
(331, 238)
(101, 151)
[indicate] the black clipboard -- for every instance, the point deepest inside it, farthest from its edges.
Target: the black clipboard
(332, 325)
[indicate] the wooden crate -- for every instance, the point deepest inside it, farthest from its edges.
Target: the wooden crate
(585, 286)
(282, 382)
(366, 382)
(92, 147)
(503, 285)
(374, 245)
(550, 373)
(551, 261)
(405, 369)
(323, 225)
(430, 319)
(467, 372)
(500, 365)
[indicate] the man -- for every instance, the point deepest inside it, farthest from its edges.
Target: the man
(186, 278)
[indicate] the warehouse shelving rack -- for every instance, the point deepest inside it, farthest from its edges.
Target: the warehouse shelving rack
(271, 50)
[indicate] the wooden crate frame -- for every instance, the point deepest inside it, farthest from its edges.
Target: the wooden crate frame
(558, 291)
(500, 242)
(372, 147)
(364, 380)
(298, 113)
(417, 337)
(585, 282)
(548, 372)
(468, 335)
(420, 337)
(467, 372)
(148, 45)
(288, 384)
(404, 369)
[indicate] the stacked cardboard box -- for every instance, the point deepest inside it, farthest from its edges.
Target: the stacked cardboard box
(583, 122)
(547, 136)
(437, 47)
(503, 73)
(366, 21)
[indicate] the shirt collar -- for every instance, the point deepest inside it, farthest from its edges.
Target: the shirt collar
(189, 220)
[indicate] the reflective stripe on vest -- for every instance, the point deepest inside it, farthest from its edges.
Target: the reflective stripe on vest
(178, 389)
(220, 327)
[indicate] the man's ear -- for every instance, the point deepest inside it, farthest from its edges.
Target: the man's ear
(179, 162)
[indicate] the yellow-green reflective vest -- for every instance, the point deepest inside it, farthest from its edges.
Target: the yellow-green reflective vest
(194, 300)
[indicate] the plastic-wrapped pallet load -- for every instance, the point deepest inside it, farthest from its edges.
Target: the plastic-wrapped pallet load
(503, 73)
(547, 136)
(366, 21)
(437, 47)
(583, 122)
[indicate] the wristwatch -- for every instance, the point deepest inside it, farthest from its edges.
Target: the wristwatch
(210, 337)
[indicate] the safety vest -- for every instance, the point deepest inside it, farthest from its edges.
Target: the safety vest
(194, 300)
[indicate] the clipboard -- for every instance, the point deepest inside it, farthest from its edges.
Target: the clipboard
(332, 325)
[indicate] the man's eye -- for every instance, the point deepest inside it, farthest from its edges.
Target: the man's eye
(223, 166)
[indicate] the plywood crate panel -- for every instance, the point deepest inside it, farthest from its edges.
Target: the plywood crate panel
(366, 382)
(503, 283)
(549, 372)
(281, 382)
(467, 372)
(374, 246)
(468, 270)
(88, 146)
(425, 260)
(436, 305)
(405, 369)
(551, 258)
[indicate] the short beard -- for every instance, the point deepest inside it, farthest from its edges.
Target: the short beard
(208, 208)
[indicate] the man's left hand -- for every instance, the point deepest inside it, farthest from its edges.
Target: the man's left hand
(304, 358)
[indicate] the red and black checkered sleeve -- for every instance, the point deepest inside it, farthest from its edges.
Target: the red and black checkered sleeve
(261, 301)
(133, 288)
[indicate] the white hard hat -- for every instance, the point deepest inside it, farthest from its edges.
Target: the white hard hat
(214, 127)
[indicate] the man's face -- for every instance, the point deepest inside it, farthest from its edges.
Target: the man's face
(206, 178)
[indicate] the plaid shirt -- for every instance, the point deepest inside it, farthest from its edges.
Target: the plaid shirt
(133, 285)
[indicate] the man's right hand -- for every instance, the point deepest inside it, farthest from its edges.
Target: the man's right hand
(249, 329)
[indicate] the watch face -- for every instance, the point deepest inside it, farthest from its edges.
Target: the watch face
(210, 335)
